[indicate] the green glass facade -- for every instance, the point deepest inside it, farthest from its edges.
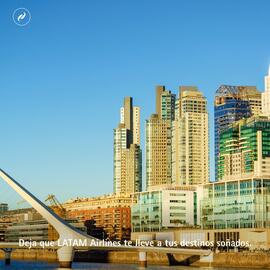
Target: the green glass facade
(167, 105)
(147, 212)
(242, 138)
(236, 204)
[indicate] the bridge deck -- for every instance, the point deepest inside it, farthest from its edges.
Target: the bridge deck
(184, 251)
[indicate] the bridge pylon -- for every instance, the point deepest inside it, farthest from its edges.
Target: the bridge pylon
(66, 231)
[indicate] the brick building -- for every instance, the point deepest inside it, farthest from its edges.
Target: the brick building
(110, 212)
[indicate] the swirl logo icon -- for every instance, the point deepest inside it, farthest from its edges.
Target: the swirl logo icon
(21, 16)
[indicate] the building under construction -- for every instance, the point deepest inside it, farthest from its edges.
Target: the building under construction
(233, 103)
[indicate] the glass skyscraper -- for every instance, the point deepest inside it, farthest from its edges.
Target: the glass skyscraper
(245, 149)
(233, 103)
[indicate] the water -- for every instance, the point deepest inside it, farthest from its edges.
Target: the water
(34, 265)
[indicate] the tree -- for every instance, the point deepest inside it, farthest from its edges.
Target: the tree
(93, 230)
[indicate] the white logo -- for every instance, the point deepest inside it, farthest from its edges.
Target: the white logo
(21, 16)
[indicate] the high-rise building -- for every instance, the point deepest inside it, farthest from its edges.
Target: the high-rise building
(136, 126)
(159, 90)
(120, 143)
(165, 103)
(266, 95)
(245, 149)
(128, 119)
(254, 98)
(127, 152)
(158, 151)
(131, 169)
(158, 139)
(190, 143)
(233, 103)
(136, 123)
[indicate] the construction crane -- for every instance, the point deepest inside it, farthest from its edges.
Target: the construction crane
(56, 205)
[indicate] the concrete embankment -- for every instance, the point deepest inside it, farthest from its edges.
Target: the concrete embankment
(254, 260)
(251, 260)
(32, 255)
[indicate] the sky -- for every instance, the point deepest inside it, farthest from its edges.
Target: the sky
(63, 78)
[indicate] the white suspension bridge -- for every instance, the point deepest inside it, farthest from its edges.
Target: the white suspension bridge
(65, 253)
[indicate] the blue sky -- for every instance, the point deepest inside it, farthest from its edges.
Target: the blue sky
(64, 76)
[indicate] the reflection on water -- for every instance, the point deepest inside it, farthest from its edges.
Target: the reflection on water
(33, 265)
